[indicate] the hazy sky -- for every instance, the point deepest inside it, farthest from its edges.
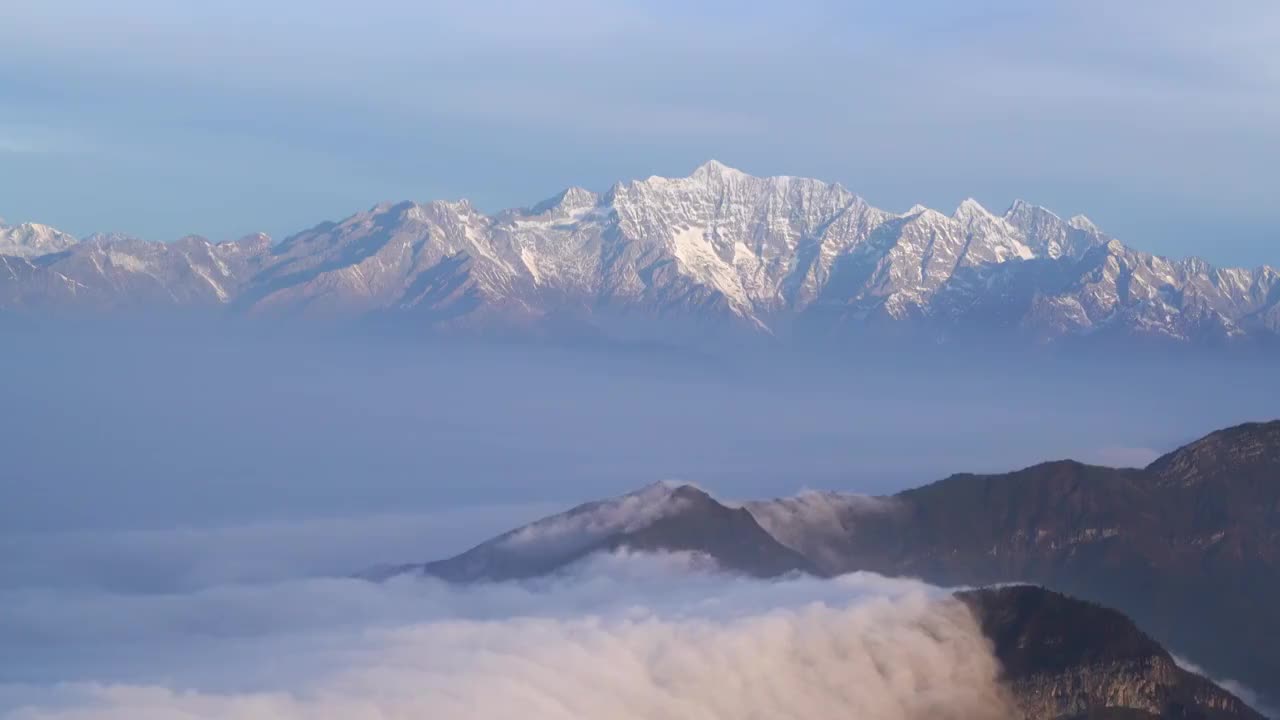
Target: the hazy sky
(1159, 119)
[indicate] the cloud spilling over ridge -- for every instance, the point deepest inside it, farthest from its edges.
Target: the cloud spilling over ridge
(1243, 692)
(586, 524)
(811, 521)
(625, 636)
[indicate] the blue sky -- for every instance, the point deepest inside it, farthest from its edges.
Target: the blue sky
(1160, 120)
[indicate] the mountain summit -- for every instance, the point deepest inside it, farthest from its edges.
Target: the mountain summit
(662, 516)
(719, 250)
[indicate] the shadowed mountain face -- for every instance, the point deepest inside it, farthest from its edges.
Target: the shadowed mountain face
(1065, 658)
(719, 252)
(1189, 547)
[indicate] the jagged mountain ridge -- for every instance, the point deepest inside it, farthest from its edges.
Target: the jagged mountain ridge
(119, 272)
(779, 256)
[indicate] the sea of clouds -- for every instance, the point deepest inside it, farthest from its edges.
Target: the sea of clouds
(182, 518)
(214, 630)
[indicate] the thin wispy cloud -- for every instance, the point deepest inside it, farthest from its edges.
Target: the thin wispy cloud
(17, 139)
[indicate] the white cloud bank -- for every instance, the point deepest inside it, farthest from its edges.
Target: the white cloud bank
(628, 636)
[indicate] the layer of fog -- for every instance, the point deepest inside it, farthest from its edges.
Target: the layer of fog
(186, 559)
(124, 429)
(181, 512)
(623, 636)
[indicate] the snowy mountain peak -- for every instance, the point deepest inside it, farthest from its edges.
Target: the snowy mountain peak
(970, 208)
(258, 240)
(1019, 207)
(578, 197)
(111, 238)
(714, 169)
(32, 240)
(461, 206)
(569, 201)
(1024, 214)
(34, 228)
(1081, 222)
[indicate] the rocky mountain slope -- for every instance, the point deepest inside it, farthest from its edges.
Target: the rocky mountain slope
(1189, 546)
(1061, 657)
(1066, 658)
(718, 250)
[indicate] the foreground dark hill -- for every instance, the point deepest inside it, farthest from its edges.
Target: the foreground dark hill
(1066, 658)
(1061, 658)
(1189, 547)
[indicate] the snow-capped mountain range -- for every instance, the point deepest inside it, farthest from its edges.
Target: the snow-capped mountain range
(718, 251)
